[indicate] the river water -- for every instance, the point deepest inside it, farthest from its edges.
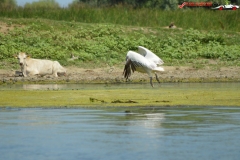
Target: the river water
(72, 86)
(176, 133)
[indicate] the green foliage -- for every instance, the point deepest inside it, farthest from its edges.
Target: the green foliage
(8, 4)
(42, 4)
(132, 3)
(108, 44)
(200, 19)
(194, 44)
(163, 4)
(203, 38)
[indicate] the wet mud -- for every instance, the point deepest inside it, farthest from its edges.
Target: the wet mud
(114, 75)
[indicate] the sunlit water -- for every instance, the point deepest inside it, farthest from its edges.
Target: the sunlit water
(120, 134)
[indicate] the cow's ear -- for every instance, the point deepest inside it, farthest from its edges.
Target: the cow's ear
(28, 55)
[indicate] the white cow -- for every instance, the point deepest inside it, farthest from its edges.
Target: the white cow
(30, 66)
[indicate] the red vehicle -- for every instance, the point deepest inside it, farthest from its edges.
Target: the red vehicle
(211, 5)
(196, 4)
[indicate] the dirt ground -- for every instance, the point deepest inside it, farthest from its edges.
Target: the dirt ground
(114, 75)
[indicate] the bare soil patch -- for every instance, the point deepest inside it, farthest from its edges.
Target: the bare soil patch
(5, 28)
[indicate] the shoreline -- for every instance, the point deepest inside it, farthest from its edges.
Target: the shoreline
(113, 75)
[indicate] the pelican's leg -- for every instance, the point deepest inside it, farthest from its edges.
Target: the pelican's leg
(151, 81)
(157, 78)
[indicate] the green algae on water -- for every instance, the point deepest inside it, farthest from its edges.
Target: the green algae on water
(162, 96)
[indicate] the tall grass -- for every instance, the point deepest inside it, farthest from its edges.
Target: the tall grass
(203, 19)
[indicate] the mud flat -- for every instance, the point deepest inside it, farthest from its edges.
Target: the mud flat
(114, 75)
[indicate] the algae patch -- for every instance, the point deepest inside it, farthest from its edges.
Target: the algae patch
(112, 97)
(126, 101)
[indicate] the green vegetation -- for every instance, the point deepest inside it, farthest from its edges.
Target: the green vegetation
(120, 97)
(104, 33)
(204, 19)
(108, 43)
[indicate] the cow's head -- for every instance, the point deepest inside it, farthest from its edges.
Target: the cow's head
(21, 58)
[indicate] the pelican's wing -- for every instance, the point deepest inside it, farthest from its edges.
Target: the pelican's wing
(133, 61)
(150, 55)
(128, 69)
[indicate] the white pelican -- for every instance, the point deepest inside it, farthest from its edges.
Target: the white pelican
(145, 62)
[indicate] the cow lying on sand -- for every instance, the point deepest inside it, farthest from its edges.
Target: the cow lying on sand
(30, 66)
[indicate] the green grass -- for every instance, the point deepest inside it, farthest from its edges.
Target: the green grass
(204, 19)
(106, 41)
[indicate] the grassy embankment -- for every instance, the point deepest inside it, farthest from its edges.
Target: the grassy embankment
(104, 35)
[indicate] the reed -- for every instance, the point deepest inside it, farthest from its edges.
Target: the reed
(203, 19)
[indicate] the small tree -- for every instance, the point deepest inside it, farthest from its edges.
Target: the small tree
(170, 4)
(8, 4)
(43, 4)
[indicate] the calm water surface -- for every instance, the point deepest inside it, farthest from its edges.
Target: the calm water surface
(139, 134)
(174, 86)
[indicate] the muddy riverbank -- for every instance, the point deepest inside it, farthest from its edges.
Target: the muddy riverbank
(114, 75)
